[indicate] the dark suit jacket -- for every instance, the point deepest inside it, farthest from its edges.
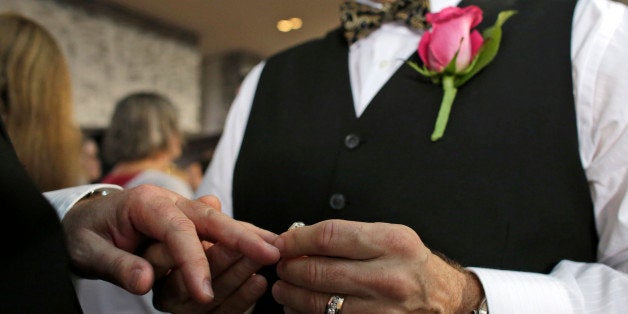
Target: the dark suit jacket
(35, 277)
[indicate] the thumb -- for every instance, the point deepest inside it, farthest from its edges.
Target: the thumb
(122, 268)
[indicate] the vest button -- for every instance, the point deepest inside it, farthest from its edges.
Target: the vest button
(352, 141)
(337, 201)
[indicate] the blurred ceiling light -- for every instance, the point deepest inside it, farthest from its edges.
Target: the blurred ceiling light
(290, 24)
(296, 22)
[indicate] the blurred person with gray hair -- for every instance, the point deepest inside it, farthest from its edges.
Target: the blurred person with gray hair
(143, 141)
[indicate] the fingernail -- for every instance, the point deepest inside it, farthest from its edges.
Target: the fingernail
(207, 288)
(135, 278)
(276, 291)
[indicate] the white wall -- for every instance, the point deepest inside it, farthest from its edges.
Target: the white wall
(110, 58)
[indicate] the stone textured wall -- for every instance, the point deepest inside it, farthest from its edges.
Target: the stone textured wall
(110, 57)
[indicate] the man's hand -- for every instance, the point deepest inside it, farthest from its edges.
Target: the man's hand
(234, 281)
(376, 267)
(104, 233)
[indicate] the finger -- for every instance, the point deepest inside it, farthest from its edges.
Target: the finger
(158, 256)
(340, 238)
(163, 219)
(170, 294)
(236, 291)
(211, 201)
(221, 258)
(245, 297)
(324, 274)
(299, 300)
(268, 236)
(234, 277)
(214, 202)
(231, 269)
(124, 269)
(220, 228)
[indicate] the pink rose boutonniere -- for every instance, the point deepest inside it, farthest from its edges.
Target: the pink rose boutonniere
(452, 52)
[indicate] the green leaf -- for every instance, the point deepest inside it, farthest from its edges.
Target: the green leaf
(470, 67)
(424, 71)
(488, 51)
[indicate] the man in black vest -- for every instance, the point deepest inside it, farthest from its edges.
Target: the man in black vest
(337, 136)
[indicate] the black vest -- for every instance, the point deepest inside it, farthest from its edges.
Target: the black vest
(504, 188)
(35, 264)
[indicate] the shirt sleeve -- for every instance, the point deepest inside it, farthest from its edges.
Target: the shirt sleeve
(599, 47)
(62, 200)
(218, 178)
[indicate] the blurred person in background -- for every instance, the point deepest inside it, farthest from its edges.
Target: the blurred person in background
(37, 108)
(197, 154)
(141, 143)
(95, 230)
(90, 157)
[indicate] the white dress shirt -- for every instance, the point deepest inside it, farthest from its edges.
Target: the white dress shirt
(62, 200)
(600, 72)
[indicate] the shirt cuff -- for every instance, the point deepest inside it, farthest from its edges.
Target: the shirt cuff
(62, 200)
(521, 292)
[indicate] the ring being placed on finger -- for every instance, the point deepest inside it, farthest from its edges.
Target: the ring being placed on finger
(334, 305)
(297, 224)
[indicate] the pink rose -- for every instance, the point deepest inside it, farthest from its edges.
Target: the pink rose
(451, 32)
(452, 35)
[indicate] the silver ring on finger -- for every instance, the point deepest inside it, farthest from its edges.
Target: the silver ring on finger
(296, 224)
(334, 305)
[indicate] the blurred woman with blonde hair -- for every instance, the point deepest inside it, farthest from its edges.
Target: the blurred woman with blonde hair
(36, 103)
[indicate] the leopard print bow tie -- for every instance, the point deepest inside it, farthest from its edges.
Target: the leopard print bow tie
(359, 20)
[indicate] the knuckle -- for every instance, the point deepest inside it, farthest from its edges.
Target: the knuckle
(313, 270)
(144, 190)
(316, 304)
(398, 287)
(401, 239)
(327, 236)
(180, 223)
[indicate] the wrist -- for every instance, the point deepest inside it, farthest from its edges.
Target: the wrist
(97, 193)
(472, 294)
(468, 290)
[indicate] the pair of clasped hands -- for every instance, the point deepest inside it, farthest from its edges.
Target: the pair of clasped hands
(198, 260)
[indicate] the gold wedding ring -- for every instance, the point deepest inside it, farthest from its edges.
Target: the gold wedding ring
(334, 305)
